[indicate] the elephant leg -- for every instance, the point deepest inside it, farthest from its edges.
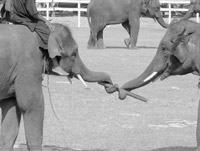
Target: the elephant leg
(91, 41)
(11, 116)
(127, 41)
(100, 43)
(94, 25)
(126, 26)
(96, 35)
(134, 22)
(30, 100)
(198, 122)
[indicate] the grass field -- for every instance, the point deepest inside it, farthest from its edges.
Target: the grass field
(92, 119)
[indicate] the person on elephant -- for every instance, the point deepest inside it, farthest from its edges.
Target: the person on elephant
(3, 11)
(24, 12)
(193, 9)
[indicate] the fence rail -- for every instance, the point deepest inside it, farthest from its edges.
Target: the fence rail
(170, 9)
(80, 9)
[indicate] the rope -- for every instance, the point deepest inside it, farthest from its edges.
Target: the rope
(46, 68)
(197, 93)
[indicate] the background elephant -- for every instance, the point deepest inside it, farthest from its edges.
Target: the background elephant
(127, 12)
(178, 54)
(21, 67)
(193, 9)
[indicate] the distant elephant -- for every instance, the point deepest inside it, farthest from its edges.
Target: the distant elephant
(21, 67)
(127, 12)
(193, 9)
(178, 54)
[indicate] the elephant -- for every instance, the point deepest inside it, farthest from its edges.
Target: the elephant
(177, 54)
(193, 9)
(101, 13)
(21, 68)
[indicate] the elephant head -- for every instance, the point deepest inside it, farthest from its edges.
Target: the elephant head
(62, 44)
(193, 8)
(151, 8)
(177, 54)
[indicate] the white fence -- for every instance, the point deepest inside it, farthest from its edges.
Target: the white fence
(170, 9)
(79, 9)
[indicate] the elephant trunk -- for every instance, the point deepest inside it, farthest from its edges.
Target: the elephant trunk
(81, 72)
(91, 76)
(161, 21)
(152, 72)
(140, 80)
(189, 13)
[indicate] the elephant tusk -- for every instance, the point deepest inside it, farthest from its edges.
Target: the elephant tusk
(81, 79)
(151, 76)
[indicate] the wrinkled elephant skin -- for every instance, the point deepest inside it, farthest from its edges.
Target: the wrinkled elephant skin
(178, 54)
(21, 67)
(126, 12)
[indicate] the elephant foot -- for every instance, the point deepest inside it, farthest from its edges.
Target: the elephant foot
(91, 47)
(100, 44)
(94, 47)
(101, 47)
(134, 47)
(127, 42)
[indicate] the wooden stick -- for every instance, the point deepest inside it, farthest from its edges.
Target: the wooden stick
(110, 88)
(136, 96)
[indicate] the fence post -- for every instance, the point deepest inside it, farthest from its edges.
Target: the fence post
(79, 14)
(48, 9)
(170, 13)
(47, 12)
(197, 14)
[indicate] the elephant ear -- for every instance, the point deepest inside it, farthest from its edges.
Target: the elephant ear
(181, 53)
(179, 37)
(61, 42)
(58, 41)
(54, 47)
(150, 3)
(179, 46)
(144, 6)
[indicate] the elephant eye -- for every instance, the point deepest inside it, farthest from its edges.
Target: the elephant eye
(74, 54)
(163, 49)
(157, 8)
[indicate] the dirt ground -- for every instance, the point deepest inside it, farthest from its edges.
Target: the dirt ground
(91, 119)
